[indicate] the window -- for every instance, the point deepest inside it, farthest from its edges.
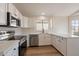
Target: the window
(75, 26)
(42, 25)
(39, 26)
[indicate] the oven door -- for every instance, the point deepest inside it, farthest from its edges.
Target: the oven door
(23, 46)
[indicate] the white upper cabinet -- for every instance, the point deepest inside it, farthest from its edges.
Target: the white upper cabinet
(3, 14)
(25, 22)
(9, 7)
(13, 10)
(21, 19)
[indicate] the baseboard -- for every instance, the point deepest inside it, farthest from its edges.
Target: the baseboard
(43, 45)
(39, 46)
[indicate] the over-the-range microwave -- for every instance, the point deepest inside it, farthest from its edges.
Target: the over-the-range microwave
(12, 20)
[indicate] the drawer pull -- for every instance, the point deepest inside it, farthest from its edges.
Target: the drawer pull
(14, 49)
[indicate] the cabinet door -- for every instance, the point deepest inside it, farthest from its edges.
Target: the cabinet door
(44, 39)
(41, 39)
(54, 40)
(16, 13)
(25, 22)
(13, 10)
(57, 45)
(3, 14)
(47, 38)
(62, 45)
(21, 19)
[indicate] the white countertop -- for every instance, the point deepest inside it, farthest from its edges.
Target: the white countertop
(59, 34)
(64, 35)
(35, 33)
(5, 45)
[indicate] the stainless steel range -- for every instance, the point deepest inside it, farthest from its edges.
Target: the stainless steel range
(4, 35)
(9, 35)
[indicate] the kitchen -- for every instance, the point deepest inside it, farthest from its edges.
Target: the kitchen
(28, 29)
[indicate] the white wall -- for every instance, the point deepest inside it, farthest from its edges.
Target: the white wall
(60, 24)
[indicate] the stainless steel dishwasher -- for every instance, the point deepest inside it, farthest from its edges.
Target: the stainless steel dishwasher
(33, 40)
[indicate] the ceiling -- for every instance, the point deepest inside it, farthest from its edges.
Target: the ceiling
(50, 9)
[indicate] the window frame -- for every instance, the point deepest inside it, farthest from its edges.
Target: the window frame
(42, 27)
(74, 24)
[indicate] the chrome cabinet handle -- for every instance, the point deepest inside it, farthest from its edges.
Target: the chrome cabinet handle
(62, 38)
(14, 49)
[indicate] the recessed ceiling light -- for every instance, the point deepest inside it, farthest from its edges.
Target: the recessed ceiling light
(42, 13)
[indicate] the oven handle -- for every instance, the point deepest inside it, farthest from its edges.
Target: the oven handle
(22, 41)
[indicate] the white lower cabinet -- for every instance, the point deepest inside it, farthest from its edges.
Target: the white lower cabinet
(13, 51)
(59, 43)
(62, 45)
(44, 39)
(68, 46)
(53, 40)
(25, 22)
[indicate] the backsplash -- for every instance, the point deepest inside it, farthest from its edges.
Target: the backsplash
(18, 31)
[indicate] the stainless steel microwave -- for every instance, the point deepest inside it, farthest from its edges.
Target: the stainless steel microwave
(12, 21)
